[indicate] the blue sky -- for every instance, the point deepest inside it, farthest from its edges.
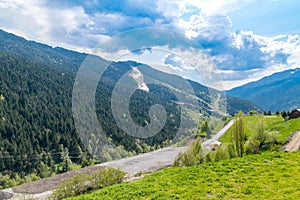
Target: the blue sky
(269, 18)
(247, 40)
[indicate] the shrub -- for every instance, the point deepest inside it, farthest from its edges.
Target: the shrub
(222, 152)
(82, 183)
(192, 156)
(195, 154)
(262, 140)
(253, 112)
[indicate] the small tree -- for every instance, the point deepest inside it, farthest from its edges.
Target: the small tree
(260, 133)
(192, 156)
(252, 112)
(284, 114)
(66, 161)
(258, 139)
(238, 134)
(204, 130)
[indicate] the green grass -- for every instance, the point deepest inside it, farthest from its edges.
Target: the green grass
(273, 123)
(265, 176)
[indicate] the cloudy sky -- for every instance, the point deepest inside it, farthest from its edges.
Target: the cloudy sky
(246, 39)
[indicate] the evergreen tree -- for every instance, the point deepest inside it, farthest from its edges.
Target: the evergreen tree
(66, 161)
(284, 114)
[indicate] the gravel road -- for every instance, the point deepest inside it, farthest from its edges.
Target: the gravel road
(294, 143)
(147, 162)
(221, 132)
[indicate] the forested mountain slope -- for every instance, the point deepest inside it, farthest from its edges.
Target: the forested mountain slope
(36, 122)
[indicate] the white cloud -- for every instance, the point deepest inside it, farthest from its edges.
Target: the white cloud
(177, 63)
(217, 7)
(34, 20)
(241, 56)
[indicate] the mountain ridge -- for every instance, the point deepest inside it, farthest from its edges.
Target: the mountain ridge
(274, 92)
(36, 121)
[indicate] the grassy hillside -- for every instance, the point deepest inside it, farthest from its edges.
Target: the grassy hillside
(265, 176)
(274, 124)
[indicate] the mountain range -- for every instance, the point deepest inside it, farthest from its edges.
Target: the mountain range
(36, 122)
(278, 92)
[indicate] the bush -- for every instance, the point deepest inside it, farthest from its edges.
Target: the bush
(253, 112)
(192, 156)
(222, 152)
(262, 140)
(195, 154)
(82, 183)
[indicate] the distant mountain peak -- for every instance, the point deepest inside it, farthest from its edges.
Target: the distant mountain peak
(274, 92)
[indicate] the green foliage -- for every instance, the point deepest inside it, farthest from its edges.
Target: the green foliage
(82, 183)
(252, 112)
(234, 105)
(222, 152)
(196, 154)
(275, 126)
(204, 130)
(238, 134)
(261, 176)
(36, 83)
(14, 179)
(66, 161)
(192, 156)
(284, 114)
(258, 139)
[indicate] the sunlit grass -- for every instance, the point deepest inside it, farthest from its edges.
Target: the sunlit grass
(276, 124)
(265, 176)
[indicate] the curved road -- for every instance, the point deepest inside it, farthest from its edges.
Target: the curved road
(147, 162)
(152, 161)
(221, 132)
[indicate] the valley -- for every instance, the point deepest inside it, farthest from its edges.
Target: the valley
(270, 174)
(149, 99)
(37, 125)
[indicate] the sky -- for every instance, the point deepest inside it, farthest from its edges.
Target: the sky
(246, 40)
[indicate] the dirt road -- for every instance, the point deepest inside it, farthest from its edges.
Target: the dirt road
(147, 162)
(294, 143)
(221, 132)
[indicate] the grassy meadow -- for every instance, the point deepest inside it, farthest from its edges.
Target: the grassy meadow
(264, 176)
(268, 175)
(274, 124)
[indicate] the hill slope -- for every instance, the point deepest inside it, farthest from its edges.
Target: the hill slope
(276, 92)
(36, 121)
(265, 176)
(275, 126)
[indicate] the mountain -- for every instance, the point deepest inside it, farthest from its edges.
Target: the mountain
(36, 121)
(276, 92)
(58, 58)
